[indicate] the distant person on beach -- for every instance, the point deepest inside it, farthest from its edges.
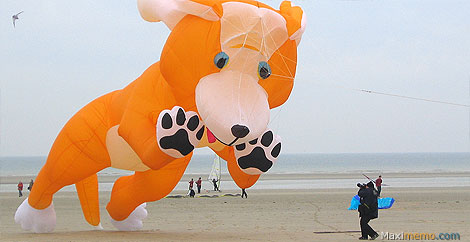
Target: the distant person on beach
(20, 189)
(199, 184)
(191, 193)
(368, 210)
(31, 183)
(378, 183)
(214, 181)
(191, 184)
(244, 193)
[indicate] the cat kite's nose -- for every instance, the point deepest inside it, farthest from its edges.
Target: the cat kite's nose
(240, 131)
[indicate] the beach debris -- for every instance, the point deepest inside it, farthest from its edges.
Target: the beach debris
(231, 195)
(213, 196)
(15, 17)
(175, 196)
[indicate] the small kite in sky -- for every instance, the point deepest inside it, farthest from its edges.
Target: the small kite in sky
(15, 17)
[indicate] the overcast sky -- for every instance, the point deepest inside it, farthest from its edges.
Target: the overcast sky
(64, 54)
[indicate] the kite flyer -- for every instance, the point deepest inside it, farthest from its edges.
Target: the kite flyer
(368, 209)
(214, 181)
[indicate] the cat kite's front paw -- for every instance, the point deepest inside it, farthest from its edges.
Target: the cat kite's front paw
(259, 155)
(178, 132)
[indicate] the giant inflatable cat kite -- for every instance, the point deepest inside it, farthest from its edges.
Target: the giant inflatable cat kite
(225, 64)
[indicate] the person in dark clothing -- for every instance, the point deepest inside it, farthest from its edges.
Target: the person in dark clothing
(368, 210)
(244, 193)
(215, 184)
(199, 184)
(191, 193)
(31, 183)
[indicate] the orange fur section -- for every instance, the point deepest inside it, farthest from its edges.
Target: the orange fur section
(78, 152)
(152, 185)
(283, 65)
(87, 190)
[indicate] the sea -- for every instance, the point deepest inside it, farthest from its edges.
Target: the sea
(341, 163)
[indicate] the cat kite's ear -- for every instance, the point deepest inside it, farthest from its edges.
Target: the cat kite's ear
(296, 20)
(172, 11)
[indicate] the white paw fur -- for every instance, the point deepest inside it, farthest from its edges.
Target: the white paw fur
(98, 227)
(37, 220)
(134, 221)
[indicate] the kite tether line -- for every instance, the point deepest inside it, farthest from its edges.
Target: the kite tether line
(403, 96)
(414, 98)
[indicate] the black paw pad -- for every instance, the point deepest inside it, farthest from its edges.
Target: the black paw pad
(240, 147)
(193, 123)
(179, 141)
(256, 159)
(267, 138)
(167, 123)
(180, 117)
(200, 132)
(276, 150)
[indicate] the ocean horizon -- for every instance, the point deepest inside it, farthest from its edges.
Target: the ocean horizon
(375, 163)
(301, 163)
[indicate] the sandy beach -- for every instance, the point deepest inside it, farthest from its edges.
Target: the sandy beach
(267, 215)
